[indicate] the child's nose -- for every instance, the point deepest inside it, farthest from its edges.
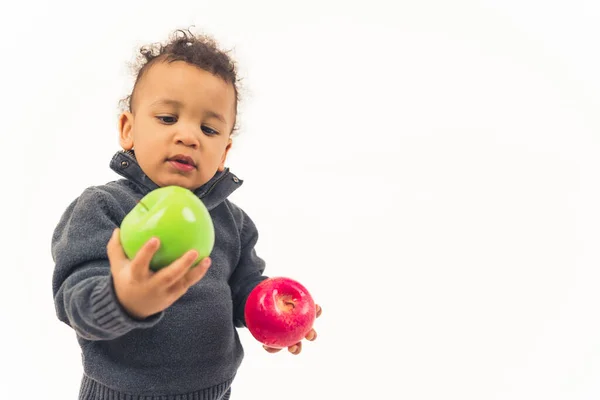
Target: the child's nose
(187, 137)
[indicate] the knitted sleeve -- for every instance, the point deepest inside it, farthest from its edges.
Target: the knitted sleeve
(82, 285)
(249, 270)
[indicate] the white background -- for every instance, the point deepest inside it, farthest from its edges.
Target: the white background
(428, 169)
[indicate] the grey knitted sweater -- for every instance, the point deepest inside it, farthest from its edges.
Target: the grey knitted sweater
(189, 351)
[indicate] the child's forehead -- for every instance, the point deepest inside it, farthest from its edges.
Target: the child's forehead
(182, 82)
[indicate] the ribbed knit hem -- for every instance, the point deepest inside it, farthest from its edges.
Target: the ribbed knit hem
(110, 315)
(93, 390)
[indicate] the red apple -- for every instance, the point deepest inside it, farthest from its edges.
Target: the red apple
(279, 312)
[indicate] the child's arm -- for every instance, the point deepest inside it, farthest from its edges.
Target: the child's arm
(97, 290)
(249, 270)
(82, 284)
(249, 273)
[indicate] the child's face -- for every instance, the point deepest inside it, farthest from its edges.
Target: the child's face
(179, 110)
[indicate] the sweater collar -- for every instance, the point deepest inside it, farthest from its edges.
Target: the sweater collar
(212, 193)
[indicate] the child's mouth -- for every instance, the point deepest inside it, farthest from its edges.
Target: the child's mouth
(181, 166)
(182, 163)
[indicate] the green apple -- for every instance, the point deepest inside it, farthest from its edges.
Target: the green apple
(177, 217)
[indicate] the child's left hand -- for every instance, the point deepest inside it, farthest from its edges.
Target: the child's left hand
(297, 348)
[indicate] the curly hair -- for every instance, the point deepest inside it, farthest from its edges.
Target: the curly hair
(199, 50)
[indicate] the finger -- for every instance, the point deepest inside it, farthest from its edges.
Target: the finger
(167, 276)
(271, 349)
(319, 310)
(295, 349)
(194, 275)
(191, 277)
(114, 250)
(140, 265)
(311, 335)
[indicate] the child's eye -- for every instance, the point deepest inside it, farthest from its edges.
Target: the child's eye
(209, 131)
(166, 119)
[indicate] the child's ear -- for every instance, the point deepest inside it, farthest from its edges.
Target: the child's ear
(126, 130)
(224, 158)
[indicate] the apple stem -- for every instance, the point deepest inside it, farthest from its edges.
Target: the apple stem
(286, 303)
(143, 205)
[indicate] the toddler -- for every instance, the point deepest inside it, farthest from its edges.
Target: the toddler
(169, 334)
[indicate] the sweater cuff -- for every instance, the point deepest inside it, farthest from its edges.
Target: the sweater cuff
(111, 316)
(241, 307)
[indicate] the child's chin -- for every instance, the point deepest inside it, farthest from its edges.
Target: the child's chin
(179, 181)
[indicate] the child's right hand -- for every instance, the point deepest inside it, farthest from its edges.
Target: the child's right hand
(143, 292)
